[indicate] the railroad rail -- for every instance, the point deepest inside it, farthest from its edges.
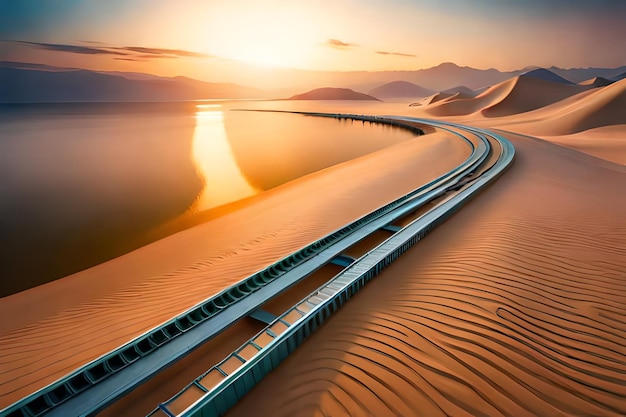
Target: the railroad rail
(97, 384)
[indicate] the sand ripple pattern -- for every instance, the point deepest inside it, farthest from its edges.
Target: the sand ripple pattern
(108, 305)
(513, 315)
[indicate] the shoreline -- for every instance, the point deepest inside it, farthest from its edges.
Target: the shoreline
(72, 234)
(151, 284)
(519, 240)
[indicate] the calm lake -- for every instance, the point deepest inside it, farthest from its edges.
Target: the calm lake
(86, 182)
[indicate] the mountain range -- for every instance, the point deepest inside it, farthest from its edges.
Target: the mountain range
(20, 84)
(27, 83)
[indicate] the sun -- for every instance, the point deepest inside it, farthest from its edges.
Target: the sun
(264, 57)
(276, 33)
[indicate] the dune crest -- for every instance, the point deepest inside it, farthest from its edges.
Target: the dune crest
(434, 98)
(590, 109)
(597, 82)
(528, 93)
(543, 104)
(602, 107)
(517, 95)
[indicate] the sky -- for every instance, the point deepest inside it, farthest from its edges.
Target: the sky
(214, 39)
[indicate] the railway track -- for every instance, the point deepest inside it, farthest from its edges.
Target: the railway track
(403, 222)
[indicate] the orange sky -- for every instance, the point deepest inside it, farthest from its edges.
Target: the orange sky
(340, 35)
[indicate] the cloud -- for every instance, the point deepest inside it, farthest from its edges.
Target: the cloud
(337, 44)
(161, 52)
(396, 53)
(75, 49)
(148, 56)
(94, 48)
(130, 59)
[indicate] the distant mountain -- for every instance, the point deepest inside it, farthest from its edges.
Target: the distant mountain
(399, 89)
(28, 65)
(596, 82)
(19, 85)
(577, 75)
(284, 82)
(544, 74)
(329, 93)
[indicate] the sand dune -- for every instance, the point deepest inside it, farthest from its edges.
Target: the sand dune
(556, 111)
(515, 307)
(606, 142)
(445, 96)
(618, 77)
(599, 107)
(434, 98)
(59, 326)
(463, 91)
(519, 94)
(596, 82)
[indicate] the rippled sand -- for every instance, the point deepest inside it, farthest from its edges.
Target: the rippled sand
(515, 307)
(57, 327)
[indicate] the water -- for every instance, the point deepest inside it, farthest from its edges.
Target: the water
(83, 183)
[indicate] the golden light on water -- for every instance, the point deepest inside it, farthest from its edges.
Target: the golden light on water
(222, 179)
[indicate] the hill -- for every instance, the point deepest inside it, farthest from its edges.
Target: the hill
(329, 93)
(544, 74)
(25, 85)
(577, 75)
(400, 89)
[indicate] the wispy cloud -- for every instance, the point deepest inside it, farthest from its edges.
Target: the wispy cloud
(92, 42)
(155, 56)
(130, 59)
(337, 44)
(396, 53)
(98, 48)
(75, 49)
(161, 52)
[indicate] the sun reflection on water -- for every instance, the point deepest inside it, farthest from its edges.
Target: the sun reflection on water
(222, 179)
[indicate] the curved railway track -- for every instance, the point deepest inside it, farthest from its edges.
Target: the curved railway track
(96, 385)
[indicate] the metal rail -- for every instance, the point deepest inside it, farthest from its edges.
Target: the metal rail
(218, 389)
(99, 383)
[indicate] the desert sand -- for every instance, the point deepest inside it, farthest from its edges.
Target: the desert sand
(57, 327)
(515, 306)
(588, 118)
